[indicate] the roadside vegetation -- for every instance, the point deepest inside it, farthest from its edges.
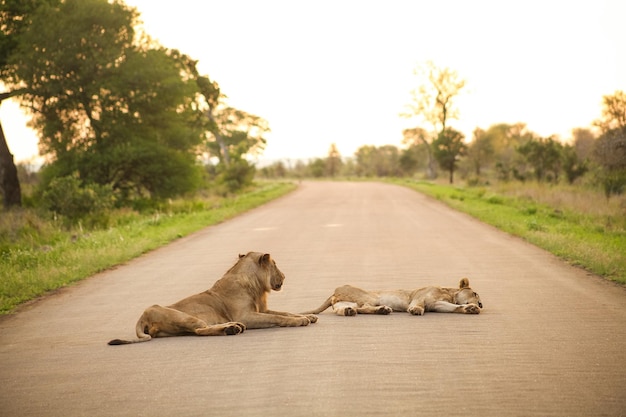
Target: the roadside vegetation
(40, 253)
(580, 226)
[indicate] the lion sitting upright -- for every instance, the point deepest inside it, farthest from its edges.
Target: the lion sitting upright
(349, 300)
(236, 302)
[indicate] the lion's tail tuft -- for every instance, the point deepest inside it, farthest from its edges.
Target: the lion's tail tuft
(115, 342)
(321, 308)
(141, 331)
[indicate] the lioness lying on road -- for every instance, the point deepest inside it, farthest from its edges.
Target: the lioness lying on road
(349, 300)
(236, 302)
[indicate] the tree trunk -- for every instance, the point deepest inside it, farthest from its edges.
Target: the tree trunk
(9, 182)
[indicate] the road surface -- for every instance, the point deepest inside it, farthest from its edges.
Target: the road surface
(550, 341)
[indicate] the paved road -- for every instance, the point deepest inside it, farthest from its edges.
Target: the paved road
(551, 340)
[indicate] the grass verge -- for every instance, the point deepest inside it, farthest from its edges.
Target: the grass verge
(590, 235)
(42, 258)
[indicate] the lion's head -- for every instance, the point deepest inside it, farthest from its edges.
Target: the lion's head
(274, 275)
(466, 295)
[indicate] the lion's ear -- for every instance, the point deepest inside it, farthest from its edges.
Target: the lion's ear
(464, 283)
(264, 259)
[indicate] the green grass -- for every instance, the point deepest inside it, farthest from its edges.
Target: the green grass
(583, 228)
(38, 256)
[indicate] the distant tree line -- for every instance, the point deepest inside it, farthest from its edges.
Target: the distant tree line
(502, 152)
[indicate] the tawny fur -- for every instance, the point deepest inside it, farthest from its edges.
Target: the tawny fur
(236, 302)
(349, 301)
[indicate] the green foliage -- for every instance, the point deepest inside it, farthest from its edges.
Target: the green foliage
(613, 181)
(75, 201)
(610, 148)
(448, 148)
(573, 166)
(566, 222)
(382, 161)
(117, 113)
(36, 255)
(544, 158)
(15, 17)
(237, 175)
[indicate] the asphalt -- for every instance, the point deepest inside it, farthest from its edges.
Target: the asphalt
(550, 341)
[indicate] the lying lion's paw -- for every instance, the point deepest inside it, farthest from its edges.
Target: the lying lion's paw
(416, 311)
(234, 328)
(384, 310)
(472, 309)
(312, 318)
(349, 311)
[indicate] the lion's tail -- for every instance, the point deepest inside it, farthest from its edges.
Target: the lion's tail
(140, 329)
(327, 303)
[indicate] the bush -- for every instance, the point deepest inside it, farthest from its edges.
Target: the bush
(613, 182)
(69, 197)
(237, 175)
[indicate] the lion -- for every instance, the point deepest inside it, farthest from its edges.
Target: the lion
(236, 302)
(350, 301)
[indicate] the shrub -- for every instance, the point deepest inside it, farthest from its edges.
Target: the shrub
(76, 201)
(237, 175)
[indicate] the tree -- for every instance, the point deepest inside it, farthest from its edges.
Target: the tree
(502, 140)
(411, 158)
(433, 101)
(380, 161)
(15, 17)
(240, 133)
(583, 142)
(236, 134)
(544, 156)
(9, 181)
(417, 137)
(448, 148)
(333, 161)
(573, 166)
(610, 148)
(230, 134)
(481, 150)
(613, 112)
(116, 112)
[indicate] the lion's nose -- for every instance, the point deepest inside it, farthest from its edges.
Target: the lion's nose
(480, 304)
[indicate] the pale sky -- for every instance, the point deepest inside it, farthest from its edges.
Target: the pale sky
(340, 71)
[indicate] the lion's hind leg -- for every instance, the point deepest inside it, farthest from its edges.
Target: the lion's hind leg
(166, 321)
(348, 308)
(370, 309)
(345, 308)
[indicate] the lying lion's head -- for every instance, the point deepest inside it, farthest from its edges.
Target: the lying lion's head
(268, 265)
(276, 275)
(466, 295)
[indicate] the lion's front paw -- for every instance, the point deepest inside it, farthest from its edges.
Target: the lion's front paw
(234, 328)
(303, 321)
(416, 310)
(384, 310)
(312, 318)
(471, 309)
